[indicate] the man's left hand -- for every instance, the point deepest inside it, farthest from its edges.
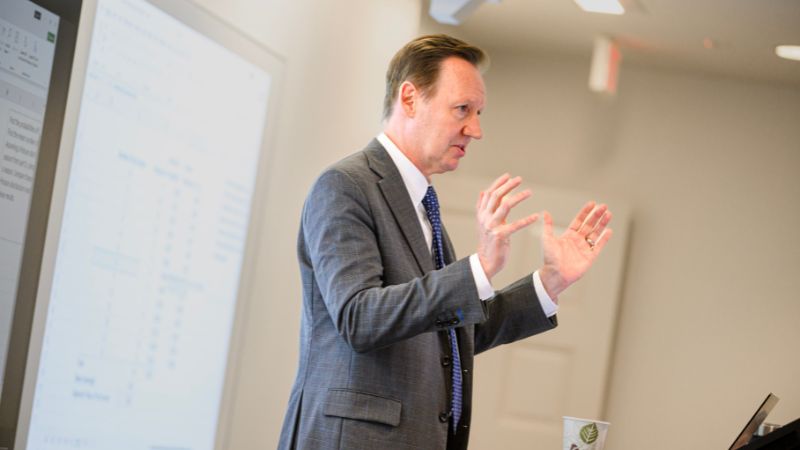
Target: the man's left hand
(569, 256)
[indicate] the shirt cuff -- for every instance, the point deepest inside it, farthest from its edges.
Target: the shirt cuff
(485, 289)
(549, 307)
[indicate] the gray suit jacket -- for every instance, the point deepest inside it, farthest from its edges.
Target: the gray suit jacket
(374, 369)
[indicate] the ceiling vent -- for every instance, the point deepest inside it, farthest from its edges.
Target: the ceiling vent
(454, 12)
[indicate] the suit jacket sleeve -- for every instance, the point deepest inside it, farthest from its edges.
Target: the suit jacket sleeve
(514, 313)
(347, 250)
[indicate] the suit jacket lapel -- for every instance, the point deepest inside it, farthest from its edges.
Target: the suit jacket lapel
(449, 251)
(399, 201)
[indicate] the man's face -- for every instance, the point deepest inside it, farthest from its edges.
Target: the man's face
(444, 124)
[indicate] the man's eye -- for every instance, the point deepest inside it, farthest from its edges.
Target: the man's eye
(463, 109)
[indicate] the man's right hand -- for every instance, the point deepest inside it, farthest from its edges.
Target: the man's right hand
(493, 207)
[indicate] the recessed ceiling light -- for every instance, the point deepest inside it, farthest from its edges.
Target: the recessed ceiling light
(601, 6)
(788, 51)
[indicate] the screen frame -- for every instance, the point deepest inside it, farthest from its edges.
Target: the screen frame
(217, 29)
(757, 419)
(38, 213)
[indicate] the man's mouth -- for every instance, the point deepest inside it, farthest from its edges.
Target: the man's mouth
(462, 147)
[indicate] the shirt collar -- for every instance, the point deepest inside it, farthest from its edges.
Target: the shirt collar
(415, 181)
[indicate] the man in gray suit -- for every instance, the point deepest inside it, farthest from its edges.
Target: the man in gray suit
(391, 319)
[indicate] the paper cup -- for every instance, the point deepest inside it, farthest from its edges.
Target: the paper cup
(584, 434)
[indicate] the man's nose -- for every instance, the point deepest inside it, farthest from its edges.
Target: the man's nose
(473, 127)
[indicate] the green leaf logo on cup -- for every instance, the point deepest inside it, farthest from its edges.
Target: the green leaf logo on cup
(589, 433)
(584, 434)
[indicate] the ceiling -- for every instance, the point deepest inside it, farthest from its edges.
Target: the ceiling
(741, 34)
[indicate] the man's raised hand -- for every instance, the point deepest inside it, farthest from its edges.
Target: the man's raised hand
(493, 206)
(569, 256)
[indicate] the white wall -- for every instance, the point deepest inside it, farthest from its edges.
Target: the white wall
(336, 55)
(709, 164)
(708, 322)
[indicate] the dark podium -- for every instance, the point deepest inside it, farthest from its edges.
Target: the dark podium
(786, 437)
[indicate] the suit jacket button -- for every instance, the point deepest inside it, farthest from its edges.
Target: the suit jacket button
(444, 417)
(445, 361)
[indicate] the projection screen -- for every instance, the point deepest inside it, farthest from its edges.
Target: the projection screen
(157, 198)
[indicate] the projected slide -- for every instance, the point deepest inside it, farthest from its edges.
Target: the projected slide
(152, 239)
(27, 46)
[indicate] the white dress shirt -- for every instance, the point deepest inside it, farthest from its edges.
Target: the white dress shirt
(417, 185)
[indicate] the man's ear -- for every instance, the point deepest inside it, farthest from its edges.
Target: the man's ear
(408, 97)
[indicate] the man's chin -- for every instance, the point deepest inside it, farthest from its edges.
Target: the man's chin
(450, 166)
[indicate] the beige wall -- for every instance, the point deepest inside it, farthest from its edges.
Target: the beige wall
(709, 164)
(336, 55)
(708, 322)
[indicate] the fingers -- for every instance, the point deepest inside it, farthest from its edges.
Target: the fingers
(496, 195)
(506, 204)
(594, 218)
(547, 229)
(576, 223)
(496, 184)
(495, 203)
(500, 180)
(600, 227)
(517, 198)
(522, 223)
(598, 247)
(591, 223)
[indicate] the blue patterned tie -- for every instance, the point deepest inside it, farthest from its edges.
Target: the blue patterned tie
(431, 204)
